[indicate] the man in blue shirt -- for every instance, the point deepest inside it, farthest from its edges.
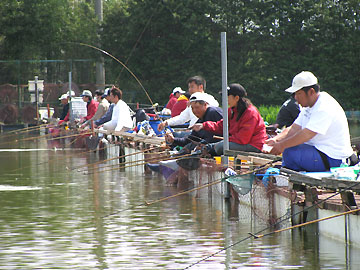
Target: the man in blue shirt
(107, 116)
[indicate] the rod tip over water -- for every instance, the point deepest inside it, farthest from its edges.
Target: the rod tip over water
(253, 235)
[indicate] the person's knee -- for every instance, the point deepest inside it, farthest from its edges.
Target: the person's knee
(219, 149)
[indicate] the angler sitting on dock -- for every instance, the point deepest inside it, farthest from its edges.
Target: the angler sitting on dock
(64, 99)
(204, 112)
(195, 84)
(121, 113)
(319, 138)
(246, 126)
(91, 105)
(107, 116)
(175, 94)
(101, 109)
(287, 114)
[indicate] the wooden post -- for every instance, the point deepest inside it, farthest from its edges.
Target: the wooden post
(348, 199)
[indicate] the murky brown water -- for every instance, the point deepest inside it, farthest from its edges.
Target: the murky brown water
(54, 218)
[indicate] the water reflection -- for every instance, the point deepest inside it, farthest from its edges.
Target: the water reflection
(65, 219)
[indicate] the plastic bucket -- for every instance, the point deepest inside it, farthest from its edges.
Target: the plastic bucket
(154, 124)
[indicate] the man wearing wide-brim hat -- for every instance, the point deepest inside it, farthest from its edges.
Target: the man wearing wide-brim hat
(319, 138)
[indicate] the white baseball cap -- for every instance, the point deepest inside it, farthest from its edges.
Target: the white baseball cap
(63, 96)
(303, 79)
(178, 89)
(86, 93)
(199, 96)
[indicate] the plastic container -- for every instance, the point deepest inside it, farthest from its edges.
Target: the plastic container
(347, 173)
(154, 124)
(218, 159)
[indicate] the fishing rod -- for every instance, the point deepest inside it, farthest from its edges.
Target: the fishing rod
(281, 219)
(59, 158)
(70, 136)
(305, 223)
(146, 203)
(22, 130)
(134, 165)
(133, 161)
(29, 139)
(124, 66)
(109, 159)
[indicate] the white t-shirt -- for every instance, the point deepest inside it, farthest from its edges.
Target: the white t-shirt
(187, 114)
(120, 117)
(328, 120)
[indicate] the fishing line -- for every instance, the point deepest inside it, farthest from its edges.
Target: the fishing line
(281, 219)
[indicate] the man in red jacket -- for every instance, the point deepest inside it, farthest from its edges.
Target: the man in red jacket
(91, 105)
(176, 93)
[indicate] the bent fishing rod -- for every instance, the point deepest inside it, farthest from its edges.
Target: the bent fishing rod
(281, 220)
(121, 63)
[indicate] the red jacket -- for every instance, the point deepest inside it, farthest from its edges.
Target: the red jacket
(179, 106)
(91, 109)
(171, 102)
(250, 129)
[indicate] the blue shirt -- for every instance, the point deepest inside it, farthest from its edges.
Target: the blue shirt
(107, 116)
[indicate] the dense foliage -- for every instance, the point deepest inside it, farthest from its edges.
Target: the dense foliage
(165, 42)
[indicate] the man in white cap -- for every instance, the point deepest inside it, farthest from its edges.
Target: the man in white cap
(65, 102)
(319, 138)
(195, 84)
(204, 112)
(176, 93)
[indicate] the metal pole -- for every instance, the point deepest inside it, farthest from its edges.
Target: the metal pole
(100, 70)
(224, 90)
(224, 83)
(69, 94)
(37, 99)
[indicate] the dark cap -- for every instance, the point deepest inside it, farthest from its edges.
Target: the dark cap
(236, 89)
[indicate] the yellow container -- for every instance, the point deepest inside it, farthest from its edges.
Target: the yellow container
(218, 159)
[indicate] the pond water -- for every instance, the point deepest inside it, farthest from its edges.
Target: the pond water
(54, 216)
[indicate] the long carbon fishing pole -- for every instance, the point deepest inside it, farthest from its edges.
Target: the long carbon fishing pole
(146, 203)
(131, 161)
(29, 139)
(59, 158)
(109, 159)
(281, 219)
(134, 165)
(22, 130)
